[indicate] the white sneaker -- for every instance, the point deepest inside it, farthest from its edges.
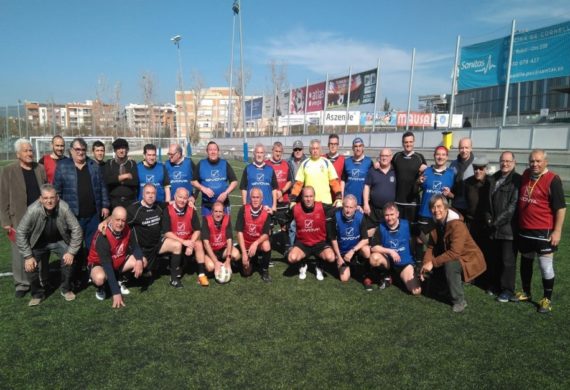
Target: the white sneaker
(303, 272)
(319, 274)
(100, 293)
(124, 289)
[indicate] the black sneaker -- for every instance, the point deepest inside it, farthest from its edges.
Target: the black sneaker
(21, 293)
(385, 283)
(265, 276)
(176, 284)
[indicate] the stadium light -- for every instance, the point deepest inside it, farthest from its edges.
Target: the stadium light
(176, 40)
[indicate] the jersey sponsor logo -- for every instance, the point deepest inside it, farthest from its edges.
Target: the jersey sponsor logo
(150, 178)
(181, 226)
(279, 174)
(308, 224)
(177, 175)
(218, 238)
(120, 251)
(436, 186)
(260, 177)
(215, 173)
(349, 231)
(394, 243)
(252, 228)
(356, 172)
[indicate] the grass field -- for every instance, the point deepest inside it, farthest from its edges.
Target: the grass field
(287, 334)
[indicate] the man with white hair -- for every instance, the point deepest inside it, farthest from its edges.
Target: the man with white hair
(19, 187)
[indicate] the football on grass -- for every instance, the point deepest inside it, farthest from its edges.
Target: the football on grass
(224, 275)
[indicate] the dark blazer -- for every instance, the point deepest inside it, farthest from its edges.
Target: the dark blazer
(503, 205)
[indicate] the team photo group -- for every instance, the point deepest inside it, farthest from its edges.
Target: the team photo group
(380, 220)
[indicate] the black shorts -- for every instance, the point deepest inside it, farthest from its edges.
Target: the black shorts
(314, 250)
(424, 225)
(397, 268)
(375, 218)
(281, 216)
(151, 253)
(408, 212)
(535, 241)
(220, 255)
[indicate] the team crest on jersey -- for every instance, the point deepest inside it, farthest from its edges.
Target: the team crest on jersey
(177, 175)
(436, 185)
(181, 226)
(279, 174)
(120, 251)
(349, 231)
(394, 243)
(150, 178)
(251, 228)
(308, 224)
(391, 179)
(215, 173)
(260, 177)
(218, 237)
(355, 172)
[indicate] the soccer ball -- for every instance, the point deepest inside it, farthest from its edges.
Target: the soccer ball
(224, 275)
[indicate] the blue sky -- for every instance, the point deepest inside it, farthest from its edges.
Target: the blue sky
(61, 50)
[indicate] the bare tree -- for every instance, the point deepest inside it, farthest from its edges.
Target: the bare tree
(147, 85)
(239, 93)
(278, 83)
(386, 107)
(198, 89)
(118, 120)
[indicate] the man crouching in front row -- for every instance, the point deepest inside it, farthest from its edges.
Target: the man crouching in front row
(114, 252)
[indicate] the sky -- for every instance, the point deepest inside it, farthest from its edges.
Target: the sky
(72, 51)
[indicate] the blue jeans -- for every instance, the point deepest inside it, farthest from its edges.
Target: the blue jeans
(40, 277)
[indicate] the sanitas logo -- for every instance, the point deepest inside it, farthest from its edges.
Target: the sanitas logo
(479, 66)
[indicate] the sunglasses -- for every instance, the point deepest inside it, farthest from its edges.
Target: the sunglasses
(297, 150)
(479, 168)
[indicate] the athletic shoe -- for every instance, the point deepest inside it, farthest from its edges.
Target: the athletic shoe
(35, 301)
(100, 294)
(522, 297)
(303, 272)
(124, 289)
(385, 283)
(203, 280)
(271, 263)
(69, 296)
(21, 293)
(265, 276)
(544, 306)
(490, 292)
(176, 284)
(505, 297)
(368, 284)
(319, 274)
(459, 307)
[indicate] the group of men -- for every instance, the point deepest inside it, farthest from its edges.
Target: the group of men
(384, 217)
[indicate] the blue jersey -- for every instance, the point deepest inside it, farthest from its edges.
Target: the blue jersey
(154, 175)
(398, 240)
(433, 185)
(260, 177)
(348, 231)
(354, 174)
(213, 176)
(180, 175)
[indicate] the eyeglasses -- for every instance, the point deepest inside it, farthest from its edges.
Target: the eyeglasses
(297, 150)
(80, 150)
(479, 168)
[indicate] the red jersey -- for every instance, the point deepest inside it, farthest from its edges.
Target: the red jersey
(311, 227)
(119, 248)
(252, 227)
(218, 239)
(281, 169)
(338, 164)
(181, 225)
(50, 165)
(534, 202)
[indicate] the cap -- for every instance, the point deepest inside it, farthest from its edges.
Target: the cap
(120, 143)
(297, 145)
(480, 162)
(357, 140)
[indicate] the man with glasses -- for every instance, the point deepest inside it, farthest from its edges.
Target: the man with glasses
(49, 161)
(379, 189)
(334, 156)
(79, 183)
(355, 171)
(215, 178)
(504, 194)
(541, 208)
(152, 171)
(180, 171)
(121, 176)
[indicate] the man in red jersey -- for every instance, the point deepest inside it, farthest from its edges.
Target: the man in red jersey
(253, 225)
(541, 209)
(334, 156)
(114, 252)
(311, 238)
(217, 240)
(49, 161)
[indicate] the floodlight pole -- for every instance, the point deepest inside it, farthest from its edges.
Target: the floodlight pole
(245, 151)
(176, 40)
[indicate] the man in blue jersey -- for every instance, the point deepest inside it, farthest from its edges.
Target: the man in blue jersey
(355, 170)
(261, 175)
(215, 178)
(348, 236)
(180, 171)
(152, 171)
(394, 250)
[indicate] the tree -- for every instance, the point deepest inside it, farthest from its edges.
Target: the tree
(386, 106)
(239, 93)
(278, 74)
(198, 89)
(147, 85)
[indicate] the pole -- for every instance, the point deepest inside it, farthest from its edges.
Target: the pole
(509, 72)
(518, 103)
(472, 108)
(410, 88)
(376, 95)
(230, 103)
(289, 113)
(242, 86)
(305, 107)
(19, 119)
(454, 83)
(348, 99)
(325, 104)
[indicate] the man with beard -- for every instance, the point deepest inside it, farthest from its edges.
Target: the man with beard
(152, 171)
(121, 176)
(49, 161)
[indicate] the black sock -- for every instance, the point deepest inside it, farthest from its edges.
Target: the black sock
(175, 269)
(264, 260)
(201, 269)
(548, 285)
(526, 273)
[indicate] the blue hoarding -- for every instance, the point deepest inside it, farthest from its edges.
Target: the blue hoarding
(253, 108)
(537, 54)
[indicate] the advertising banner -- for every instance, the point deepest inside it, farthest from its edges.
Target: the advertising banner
(383, 118)
(297, 104)
(362, 90)
(417, 119)
(276, 105)
(253, 108)
(537, 54)
(297, 119)
(316, 98)
(442, 120)
(338, 118)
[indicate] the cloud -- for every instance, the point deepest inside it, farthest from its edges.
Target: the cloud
(322, 52)
(524, 11)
